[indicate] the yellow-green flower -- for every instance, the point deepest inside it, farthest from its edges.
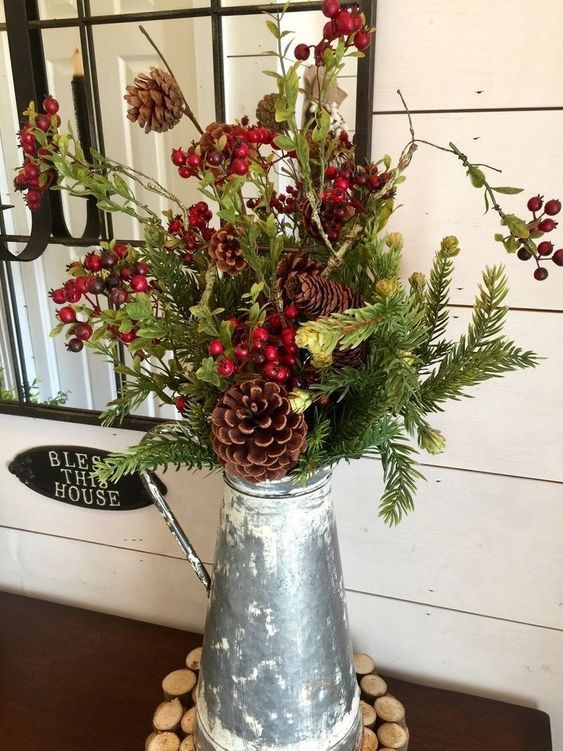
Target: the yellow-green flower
(386, 287)
(450, 246)
(417, 280)
(300, 400)
(432, 440)
(308, 338)
(321, 360)
(395, 240)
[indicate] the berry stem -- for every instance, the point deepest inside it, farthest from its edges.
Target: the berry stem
(187, 109)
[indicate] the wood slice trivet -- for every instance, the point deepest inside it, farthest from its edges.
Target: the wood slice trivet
(392, 735)
(162, 742)
(193, 660)
(373, 686)
(363, 664)
(188, 721)
(369, 741)
(179, 685)
(369, 715)
(379, 709)
(167, 716)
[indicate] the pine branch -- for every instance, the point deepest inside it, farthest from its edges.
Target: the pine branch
(400, 475)
(436, 315)
(169, 445)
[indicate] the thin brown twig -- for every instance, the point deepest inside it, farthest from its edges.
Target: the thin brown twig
(187, 109)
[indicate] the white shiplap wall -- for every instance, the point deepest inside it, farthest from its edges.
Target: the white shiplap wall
(468, 591)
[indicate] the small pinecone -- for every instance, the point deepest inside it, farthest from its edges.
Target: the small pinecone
(225, 249)
(317, 296)
(155, 101)
(298, 263)
(266, 114)
(255, 433)
(349, 358)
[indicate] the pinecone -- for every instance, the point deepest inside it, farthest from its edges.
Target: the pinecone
(155, 101)
(225, 249)
(317, 296)
(349, 358)
(213, 133)
(255, 433)
(295, 262)
(266, 114)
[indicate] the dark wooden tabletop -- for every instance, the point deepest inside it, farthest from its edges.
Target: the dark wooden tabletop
(74, 680)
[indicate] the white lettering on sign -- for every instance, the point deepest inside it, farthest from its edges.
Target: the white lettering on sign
(77, 482)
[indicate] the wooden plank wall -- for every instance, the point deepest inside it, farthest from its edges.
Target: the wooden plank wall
(467, 592)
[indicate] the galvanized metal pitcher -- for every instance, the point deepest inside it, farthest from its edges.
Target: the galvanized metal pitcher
(277, 671)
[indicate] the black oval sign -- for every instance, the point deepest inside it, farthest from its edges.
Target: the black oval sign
(66, 473)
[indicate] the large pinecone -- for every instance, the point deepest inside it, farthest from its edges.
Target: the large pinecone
(224, 248)
(298, 263)
(266, 114)
(155, 101)
(317, 296)
(255, 433)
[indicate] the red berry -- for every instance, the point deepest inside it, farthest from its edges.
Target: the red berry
(50, 105)
(58, 296)
(241, 150)
(341, 183)
(288, 335)
(547, 225)
(524, 255)
(239, 166)
(271, 353)
(216, 348)
(83, 331)
(93, 263)
(302, 52)
(142, 268)
(178, 157)
(108, 260)
(329, 31)
(535, 203)
(194, 161)
(214, 158)
(362, 39)
(187, 258)
(67, 314)
(81, 284)
(270, 369)
(344, 22)
(558, 257)
(31, 170)
(330, 8)
(260, 334)
(95, 285)
(320, 50)
(545, 248)
(29, 148)
(121, 250)
(274, 322)
(541, 273)
(26, 136)
(128, 336)
(553, 207)
(241, 352)
(184, 171)
(226, 367)
(139, 283)
(75, 344)
(72, 294)
(118, 296)
(282, 374)
(291, 312)
(43, 122)
(181, 404)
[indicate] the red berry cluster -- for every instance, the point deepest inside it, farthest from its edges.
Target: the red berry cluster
(195, 235)
(542, 223)
(225, 149)
(35, 176)
(269, 349)
(107, 274)
(344, 23)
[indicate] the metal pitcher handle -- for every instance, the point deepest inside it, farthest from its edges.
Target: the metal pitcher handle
(148, 480)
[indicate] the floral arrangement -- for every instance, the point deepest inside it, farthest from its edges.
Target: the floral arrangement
(278, 325)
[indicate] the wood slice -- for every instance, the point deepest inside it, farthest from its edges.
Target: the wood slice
(188, 721)
(369, 715)
(167, 715)
(363, 664)
(369, 741)
(163, 742)
(390, 709)
(179, 684)
(188, 744)
(392, 735)
(194, 695)
(193, 660)
(149, 739)
(372, 686)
